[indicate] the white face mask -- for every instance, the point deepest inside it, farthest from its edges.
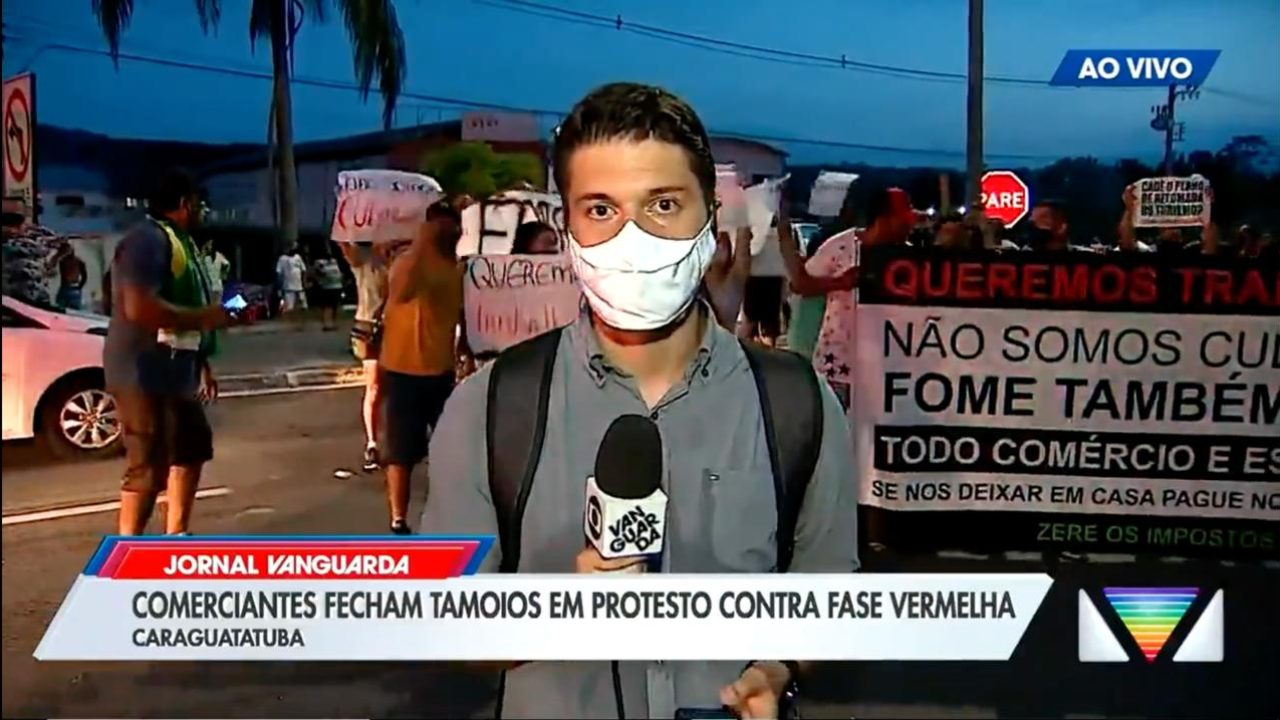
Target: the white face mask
(639, 281)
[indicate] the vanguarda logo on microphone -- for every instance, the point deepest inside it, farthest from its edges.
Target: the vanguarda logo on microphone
(1134, 68)
(595, 517)
(637, 528)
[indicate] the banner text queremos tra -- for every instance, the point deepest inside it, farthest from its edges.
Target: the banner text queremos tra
(1073, 383)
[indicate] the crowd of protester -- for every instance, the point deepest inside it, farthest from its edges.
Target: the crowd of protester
(659, 336)
(410, 336)
(822, 272)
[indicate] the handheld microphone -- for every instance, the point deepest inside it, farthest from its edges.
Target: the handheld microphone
(626, 512)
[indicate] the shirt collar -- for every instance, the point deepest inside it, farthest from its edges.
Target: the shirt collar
(712, 350)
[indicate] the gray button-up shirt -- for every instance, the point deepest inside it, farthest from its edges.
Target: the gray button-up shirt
(721, 512)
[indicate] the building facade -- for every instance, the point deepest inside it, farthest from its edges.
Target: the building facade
(241, 190)
(755, 161)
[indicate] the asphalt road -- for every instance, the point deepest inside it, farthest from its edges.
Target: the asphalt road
(277, 456)
(283, 345)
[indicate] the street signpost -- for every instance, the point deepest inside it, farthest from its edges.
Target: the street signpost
(17, 111)
(1005, 196)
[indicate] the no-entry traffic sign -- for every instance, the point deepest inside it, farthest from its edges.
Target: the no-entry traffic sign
(1005, 196)
(18, 120)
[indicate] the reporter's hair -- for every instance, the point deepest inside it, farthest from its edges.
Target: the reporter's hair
(631, 111)
(171, 188)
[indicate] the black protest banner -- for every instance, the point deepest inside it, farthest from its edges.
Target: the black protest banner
(1068, 384)
(1095, 282)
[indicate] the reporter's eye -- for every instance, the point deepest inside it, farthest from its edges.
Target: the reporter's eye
(665, 206)
(600, 211)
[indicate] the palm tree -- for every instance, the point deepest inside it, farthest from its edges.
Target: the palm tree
(378, 53)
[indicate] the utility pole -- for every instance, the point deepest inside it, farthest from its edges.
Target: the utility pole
(1163, 120)
(973, 144)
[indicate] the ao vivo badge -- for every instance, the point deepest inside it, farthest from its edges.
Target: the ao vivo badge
(1134, 68)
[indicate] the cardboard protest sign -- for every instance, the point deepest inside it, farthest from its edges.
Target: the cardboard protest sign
(489, 226)
(1133, 398)
(768, 261)
(762, 205)
(510, 298)
(828, 193)
(1171, 202)
(732, 211)
(754, 208)
(382, 205)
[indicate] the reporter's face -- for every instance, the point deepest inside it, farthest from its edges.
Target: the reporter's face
(648, 181)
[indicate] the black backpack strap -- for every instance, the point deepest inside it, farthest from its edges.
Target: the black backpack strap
(791, 405)
(515, 425)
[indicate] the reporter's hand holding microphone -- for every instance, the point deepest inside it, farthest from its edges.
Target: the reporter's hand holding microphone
(624, 522)
(626, 510)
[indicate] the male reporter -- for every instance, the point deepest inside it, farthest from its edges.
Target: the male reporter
(635, 168)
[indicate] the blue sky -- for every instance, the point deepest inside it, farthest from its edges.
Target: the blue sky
(484, 52)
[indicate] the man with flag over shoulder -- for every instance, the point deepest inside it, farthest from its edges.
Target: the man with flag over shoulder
(156, 356)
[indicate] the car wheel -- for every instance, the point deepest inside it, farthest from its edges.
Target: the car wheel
(80, 419)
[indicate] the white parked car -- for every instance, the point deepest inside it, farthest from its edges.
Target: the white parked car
(53, 380)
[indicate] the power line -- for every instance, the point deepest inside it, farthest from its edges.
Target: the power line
(791, 57)
(467, 103)
(266, 75)
(843, 62)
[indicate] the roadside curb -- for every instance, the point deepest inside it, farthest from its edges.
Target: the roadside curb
(284, 327)
(295, 380)
(58, 511)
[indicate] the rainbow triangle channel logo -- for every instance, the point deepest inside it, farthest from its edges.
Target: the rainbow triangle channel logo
(1151, 614)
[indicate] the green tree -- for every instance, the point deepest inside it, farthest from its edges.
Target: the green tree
(378, 54)
(473, 168)
(1246, 154)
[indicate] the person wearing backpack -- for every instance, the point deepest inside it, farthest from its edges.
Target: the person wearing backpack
(757, 454)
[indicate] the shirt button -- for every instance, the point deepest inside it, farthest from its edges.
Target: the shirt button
(653, 415)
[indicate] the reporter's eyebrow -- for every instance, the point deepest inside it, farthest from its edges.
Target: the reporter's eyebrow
(667, 189)
(594, 196)
(652, 192)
